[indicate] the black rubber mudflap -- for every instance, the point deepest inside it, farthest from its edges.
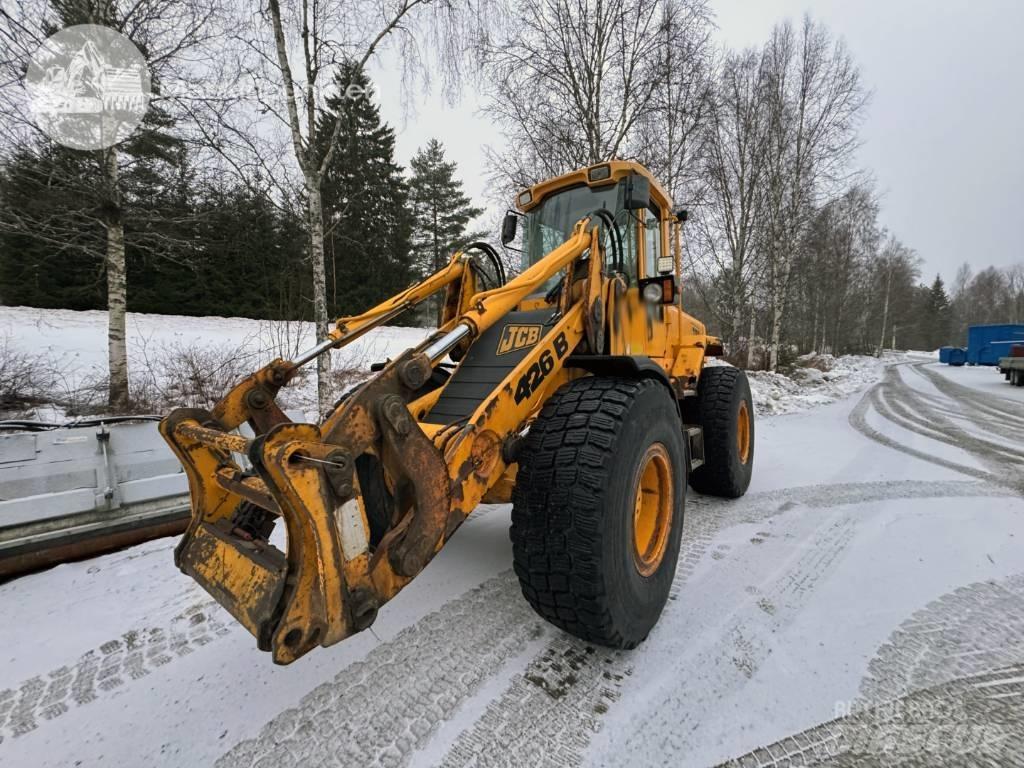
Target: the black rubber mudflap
(488, 361)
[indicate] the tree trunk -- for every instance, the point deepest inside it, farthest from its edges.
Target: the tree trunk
(814, 327)
(320, 318)
(885, 314)
(737, 297)
(117, 292)
(750, 338)
(776, 336)
(779, 281)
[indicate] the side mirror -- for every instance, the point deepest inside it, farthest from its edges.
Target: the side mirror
(508, 228)
(638, 192)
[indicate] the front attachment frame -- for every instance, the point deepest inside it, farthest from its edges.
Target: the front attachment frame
(330, 581)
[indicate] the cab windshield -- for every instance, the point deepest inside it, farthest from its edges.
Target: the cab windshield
(550, 224)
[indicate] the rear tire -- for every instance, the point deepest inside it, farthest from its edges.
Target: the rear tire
(597, 510)
(725, 412)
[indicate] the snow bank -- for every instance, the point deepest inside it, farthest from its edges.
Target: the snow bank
(76, 343)
(79, 338)
(817, 380)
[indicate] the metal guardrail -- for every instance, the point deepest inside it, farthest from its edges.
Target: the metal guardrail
(93, 485)
(70, 491)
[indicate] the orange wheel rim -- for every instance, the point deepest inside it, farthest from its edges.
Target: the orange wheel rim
(743, 432)
(652, 509)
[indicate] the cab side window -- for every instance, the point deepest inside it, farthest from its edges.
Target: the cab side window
(627, 227)
(652, 240)
(631, 248)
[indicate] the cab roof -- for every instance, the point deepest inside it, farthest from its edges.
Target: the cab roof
(531, 197)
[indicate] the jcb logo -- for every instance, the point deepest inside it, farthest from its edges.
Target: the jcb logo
(518, 337)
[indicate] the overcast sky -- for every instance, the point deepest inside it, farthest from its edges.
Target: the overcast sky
(944, 135)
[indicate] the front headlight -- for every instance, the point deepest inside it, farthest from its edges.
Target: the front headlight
(653, 293)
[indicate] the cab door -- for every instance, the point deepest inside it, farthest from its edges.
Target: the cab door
(655, 248)
(638, 327)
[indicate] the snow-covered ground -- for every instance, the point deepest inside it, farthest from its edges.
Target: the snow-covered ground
(867, 594)
(75, 343)
(78, 339)
(983, 378)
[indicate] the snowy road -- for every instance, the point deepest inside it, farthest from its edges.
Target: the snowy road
(866, 595)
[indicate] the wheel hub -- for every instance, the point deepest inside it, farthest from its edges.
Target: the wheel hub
(652, 509)
(743, 432)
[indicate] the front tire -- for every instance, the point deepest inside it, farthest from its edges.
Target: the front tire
(597, 510)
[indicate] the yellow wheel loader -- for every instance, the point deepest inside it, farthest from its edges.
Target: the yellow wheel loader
(576, 390)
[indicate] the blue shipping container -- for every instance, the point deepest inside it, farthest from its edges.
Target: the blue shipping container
(944, 354)
(957, 356)
(981, 338)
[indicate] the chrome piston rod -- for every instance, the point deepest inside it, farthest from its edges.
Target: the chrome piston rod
(443, 345)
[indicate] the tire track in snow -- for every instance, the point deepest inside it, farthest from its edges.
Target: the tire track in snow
(740, 632)
(902, 405)
(1004, 417)
(974, 629)
(973, 721)
(858, 420)
(381, 709)
(547, 715)
(932, 416)
(103, 670)
(527, 725)
(961, 657)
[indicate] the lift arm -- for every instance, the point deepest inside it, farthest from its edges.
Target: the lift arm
(371, 458)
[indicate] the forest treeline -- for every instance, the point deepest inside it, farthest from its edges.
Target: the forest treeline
(268, 186)
(199, 242)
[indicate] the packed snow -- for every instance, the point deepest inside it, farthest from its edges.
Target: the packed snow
(867, 593)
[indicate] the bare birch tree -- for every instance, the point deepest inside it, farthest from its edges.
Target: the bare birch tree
(291, 52)
(165, 31)
(838, 252)
(733, 169)
(668, 139)
(575, 82)
(895, 272)
(814, 101)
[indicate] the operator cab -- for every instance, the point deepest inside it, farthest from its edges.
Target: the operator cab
(632, 197)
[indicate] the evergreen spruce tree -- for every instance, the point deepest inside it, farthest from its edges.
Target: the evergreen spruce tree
(365, 198)
(937, 318)
(440, 209)
(51, 243)
(252, 260)
(192, 246)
